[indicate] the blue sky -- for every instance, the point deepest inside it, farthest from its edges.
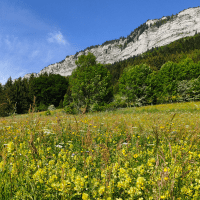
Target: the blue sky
(35, 34)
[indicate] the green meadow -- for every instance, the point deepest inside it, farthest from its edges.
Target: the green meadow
(149, 152)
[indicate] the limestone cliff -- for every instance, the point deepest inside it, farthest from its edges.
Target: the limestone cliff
(153, 33)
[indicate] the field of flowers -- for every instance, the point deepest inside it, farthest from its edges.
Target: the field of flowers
(150, 152)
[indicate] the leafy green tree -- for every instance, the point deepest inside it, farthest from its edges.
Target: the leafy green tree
(153, 88)
(185, 89)
(9, 100)
(90, 83)
(20, 95)
(67, 97)
(134, 82)
(3, 102)
(48, 89)
(86, 61)
(31, 89)
(168, 76)
(188, 69)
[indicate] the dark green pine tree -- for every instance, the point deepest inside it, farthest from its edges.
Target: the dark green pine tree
(9, 96)
(3, 102)
(31, 93)
(21, 90)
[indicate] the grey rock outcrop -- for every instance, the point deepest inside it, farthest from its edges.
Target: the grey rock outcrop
(51, 108)
(151, 34)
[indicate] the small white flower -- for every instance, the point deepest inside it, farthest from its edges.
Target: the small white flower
(150, 144)
(59, 146)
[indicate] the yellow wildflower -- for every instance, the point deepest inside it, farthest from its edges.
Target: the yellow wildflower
(165, 169)
(135, 155)
(101, 190)
(140, 182)
(166, 178)
(10, 147)
(85, 196)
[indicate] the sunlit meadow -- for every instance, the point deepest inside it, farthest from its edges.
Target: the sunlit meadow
(150, 152)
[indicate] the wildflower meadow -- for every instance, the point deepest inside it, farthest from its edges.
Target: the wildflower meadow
(143, 153)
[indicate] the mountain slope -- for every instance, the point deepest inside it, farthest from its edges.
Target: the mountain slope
(151, 34)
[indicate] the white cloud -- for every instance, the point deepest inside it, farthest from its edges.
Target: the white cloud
(29, 45)
(57, 38)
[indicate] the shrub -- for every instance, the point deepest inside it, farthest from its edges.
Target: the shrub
(72, 108)
(42, 107)
(60, 104)
(66, 101)
(47, 113)
(133, 83)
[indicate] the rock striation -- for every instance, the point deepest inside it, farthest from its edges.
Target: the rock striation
(151, 34)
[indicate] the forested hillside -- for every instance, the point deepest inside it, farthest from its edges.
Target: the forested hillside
(166, 74)
(156, 57)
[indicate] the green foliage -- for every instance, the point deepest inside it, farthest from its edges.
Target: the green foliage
(188, 69)
(67, 100)
(60, 104)
(95, 107)
(3, 102)
(86, 61)
(90, 83)
(20, 90)
(49, 89)
(119, 101)
(168, 76)
(72, 108)
(156, 57)
(42, 107)
(175, 71)
(174, 79)
(47, 113)
(184, 89)
(133, 83)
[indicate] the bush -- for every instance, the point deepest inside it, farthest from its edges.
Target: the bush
(110, 107)
(72, 108)
(47, 113)
(60, 104)
(96, 107)
(120, 101)
(66, 101)
(42, 107)
(133, 83)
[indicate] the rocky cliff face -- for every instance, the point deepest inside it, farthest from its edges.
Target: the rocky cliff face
(153, 33)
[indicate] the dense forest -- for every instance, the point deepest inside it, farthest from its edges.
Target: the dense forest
(169, 73)
(156, 57)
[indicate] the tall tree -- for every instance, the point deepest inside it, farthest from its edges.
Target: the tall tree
(90, 82)
(133, 83)
(86, 61)
(9, 96)
(48, 89)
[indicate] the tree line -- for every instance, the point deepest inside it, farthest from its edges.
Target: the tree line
(165, 74)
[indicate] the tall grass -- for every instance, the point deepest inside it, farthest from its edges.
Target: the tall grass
(150, 152)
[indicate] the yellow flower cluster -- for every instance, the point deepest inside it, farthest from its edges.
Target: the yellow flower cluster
(105, 156)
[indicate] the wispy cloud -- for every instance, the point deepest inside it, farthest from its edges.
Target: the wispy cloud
(28, 44)
(57, 37)
(13, 14)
